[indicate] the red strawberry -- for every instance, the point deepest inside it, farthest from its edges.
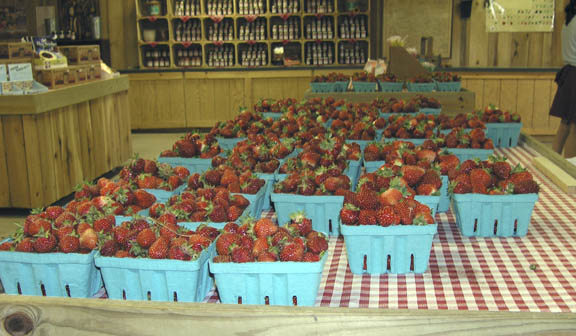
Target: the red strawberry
(208, 231)
(109, 248)
(234, 213)
(317, 244)
(462, 188)
(199, 242)
(143, 199)
(240, 201)
(104, 224)
(426, 189)
(122, 254)
(386, 216)
(230, 228)
(367, 199)
(310, 257)
(36, 225)
(480, 176)
(260, 245)
(69, 244)
(222, 259)
(26, 245)
(267, 256)
(146, 238)
(349, 214)
(292, 252)
(65, 218)
(526, 187)
(501, 169)
(88, 239)
(178, 253)
(265, 227)
(181, 172)
(52, 212)
(45, 243)
(367, 217)
(242, 255)
(225, 241)
(412, 174)
(158, 249)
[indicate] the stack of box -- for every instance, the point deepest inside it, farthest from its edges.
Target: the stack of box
(83, 66)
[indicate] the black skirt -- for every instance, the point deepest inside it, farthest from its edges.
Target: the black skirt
(564, 104)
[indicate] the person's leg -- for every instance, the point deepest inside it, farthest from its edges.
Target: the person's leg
(561, 135)
(570, 145)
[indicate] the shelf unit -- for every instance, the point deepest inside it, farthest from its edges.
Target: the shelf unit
(325, 28)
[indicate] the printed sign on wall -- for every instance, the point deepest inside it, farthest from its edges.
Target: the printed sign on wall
(520, 16)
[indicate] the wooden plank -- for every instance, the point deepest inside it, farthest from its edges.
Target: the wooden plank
(535, 45)
(249, 99)
(99, 135)
(493, 49)
(457, 27)
(113, 317)
(525, 100)
(4, 187)
(505, 50)
(491, 92)
(16, 162)
(520, 49)
(64, 180)
(130, 34)
(32, 147)
(124, 106)
(541, 103)
(192, 99)
(84, 123)
(560, 178)
(548, 153)
(547, 50)
(478, 39)
(559, 19)
(477, 86)
(116, 26)
(508, 94)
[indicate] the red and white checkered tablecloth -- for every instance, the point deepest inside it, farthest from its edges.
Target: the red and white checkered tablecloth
(535, 273)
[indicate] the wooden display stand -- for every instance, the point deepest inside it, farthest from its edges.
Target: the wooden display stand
(81, 54)
(58, 139)
(404, 65)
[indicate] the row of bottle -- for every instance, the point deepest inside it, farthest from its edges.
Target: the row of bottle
(220, 57)
(252, 31)
(188, 57)
(187, 8)
(220, 7)
(254, 55)
(284, 6)
(319, 29)
(251, 7)
(319, 6)
(188, 31)
(287, 30)
(319, 54)
(353, 27)
(353, 55)
(157, 58)
(223, 31)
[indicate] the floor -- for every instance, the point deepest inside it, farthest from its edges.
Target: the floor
(147, 145)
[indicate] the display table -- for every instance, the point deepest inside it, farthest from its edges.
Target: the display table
(54, 140)
(452, 102)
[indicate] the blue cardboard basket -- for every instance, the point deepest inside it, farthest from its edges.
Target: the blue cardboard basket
(493, 215)
(324, 211)
(228, 143)
(429, 110)
(464, 154)
(49, 274)
(420, 87)
(415, 141)
(387, 115)
(274, 283)
(194, 165)
(431, 201)
(269, 186)
(374, 245)
(372, 166)
(273, 115)
(362, 143)
(391, 86)
(340, 86)
(256, 201)
(444, 204)
(121, 219)
(322, 87)
(365, 86)
(353, 172)
(379, 133)
(217, 225)
(448, 130)
(147, 279)
(448, 86)
(164, 195)
(504, 135)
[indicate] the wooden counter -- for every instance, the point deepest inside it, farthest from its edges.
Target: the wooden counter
(52, 141)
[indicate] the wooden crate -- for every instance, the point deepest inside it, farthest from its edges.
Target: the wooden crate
(17, 60)
(16, 50)
(57, 78)
(85, 54)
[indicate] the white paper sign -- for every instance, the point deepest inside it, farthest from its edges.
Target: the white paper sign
(3, 73)
(20, 72)
(520, 16)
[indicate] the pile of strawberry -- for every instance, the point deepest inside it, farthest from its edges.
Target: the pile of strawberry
(492, 114)
(202, 205)
(263, 241)
(494, 176)
(394, 105)
(359, 130)
(138, 238)
(445, 77)
(368, 207)
(118, 198)
(149, 174)
(244, 123)
(363, 76)
(322, 181)
(462, 120)
(421, 101)
(59, 230)
(423, 78)
(410, 180)
(387, 77)
(331, 77)
(300, 128)
(458, 138)
(411, 127)
(193, 146)
(271, 105)
(226, 178)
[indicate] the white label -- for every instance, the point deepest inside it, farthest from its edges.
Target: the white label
(20, 72)
(3, 74)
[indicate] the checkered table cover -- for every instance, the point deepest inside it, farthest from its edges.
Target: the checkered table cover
(535, 273)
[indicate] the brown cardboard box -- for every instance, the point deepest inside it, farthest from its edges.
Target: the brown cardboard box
(57, 78)
(81, 54)
(16, 50)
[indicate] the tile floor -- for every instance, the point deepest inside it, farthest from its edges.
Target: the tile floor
(147, 145)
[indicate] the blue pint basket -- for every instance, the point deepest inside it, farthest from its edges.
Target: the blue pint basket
(322, 87)
(228, 143)
(269, 186)
(444, 203)
(448, 130)
(49, 274)
(415, 141)
(431, 201)
(372, 166)
(324, 211)
(391, 86)
(217, 225)
(397, 249)
(256, 201)
(362, 143)
(420, 87)
(145, 279)
(429, 110)
(493, 215)
(274, 283)
(340, 86)
(164, 195)
(448, 86)
(273, 115)
(353, 172)
(365, 86)
(464, 154)
(504, 135)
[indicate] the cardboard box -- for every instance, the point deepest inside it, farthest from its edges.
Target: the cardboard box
(57, 78)
(16, 50)
(50, 60)
(81, 54)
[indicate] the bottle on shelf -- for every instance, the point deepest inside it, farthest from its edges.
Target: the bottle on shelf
(254, 55)
(286, 30)
(353, 27)
(187, 8)
(189, 57)
(318, 29)
(319, 53)
(319, 6)
(157, 59)
(251, 7)
(222, 31)
(220, 7)
(187, 31)
(353, 55)
(221, 56)
(252, 31)
(284, 6)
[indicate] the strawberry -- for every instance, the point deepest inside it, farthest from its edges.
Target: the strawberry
(234, 213)
(367, 199)
(462, 188)
(208, 231)
(52, 212)
(225, 241)
(146, 238)
(158, 249)
(104, 224)
(317, 244)
(109, 248)
(520, 174)
(481, 176)
(405, 213)
(265, 227)
(199, 242)
(386, 216)
(242, 255)
(310, 257)
(292, 252)
(412, 174)
(36, 225)
(349, 214)
(143, 198)
(222, 259)
(230, 228)
(181, 172)
(526, 187)
(240, 201)
(426, 189)
(367, 217)
(260, 245)
(267, 256)
(64, 218)
(45, 243)
(178, 253)
(88, 239)
(26, 245)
